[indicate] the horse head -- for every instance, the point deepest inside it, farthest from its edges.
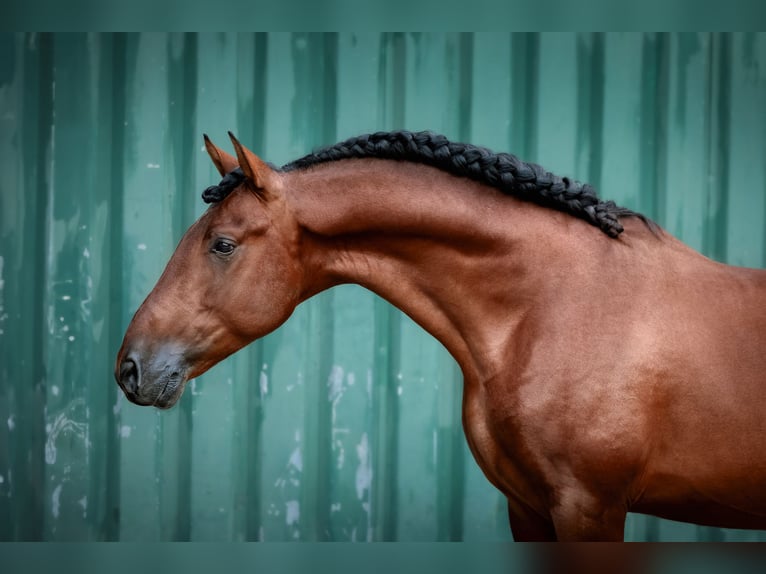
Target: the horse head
(233, 277)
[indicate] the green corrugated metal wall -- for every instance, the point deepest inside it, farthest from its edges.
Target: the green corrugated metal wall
(344, 424)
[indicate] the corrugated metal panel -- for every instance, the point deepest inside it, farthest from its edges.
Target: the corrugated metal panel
(344, 424)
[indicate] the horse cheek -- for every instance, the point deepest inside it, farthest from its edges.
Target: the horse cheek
(267, 299)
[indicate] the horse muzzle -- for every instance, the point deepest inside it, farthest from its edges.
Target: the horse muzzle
(151, 378)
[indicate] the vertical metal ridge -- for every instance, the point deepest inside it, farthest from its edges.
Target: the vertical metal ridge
(392, 81)
(254, 413)
(465, 84)
(385, 426)
(115, 67)
(27, 457)
(450, 483)
(653, 128)
(315, 496)
(714, 238)
(525, 62)
(590, 106)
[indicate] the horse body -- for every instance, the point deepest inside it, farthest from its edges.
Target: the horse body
(601, 375)
(653, 404)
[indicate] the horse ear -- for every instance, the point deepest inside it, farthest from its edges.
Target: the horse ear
(254, 168)
(224, 162)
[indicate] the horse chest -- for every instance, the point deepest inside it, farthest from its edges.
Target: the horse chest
(495, 439)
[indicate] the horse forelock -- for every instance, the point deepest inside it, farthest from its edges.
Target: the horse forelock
(229, 183)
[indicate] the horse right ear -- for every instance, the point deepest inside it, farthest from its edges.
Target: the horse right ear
(224, 162)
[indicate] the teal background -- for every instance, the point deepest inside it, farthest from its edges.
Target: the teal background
(380, 15)
(344, 424)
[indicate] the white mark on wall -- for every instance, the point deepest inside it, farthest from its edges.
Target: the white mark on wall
(83, 502)
(56, 501)
(335, 391)
(2, 479)
(55, 390)
(335, 384)
(141, 246)
(153, 165)
(125, 431)
(296, 459)
(288, 485)
(369, 384)
(364, 470)
(263, 382)
(370, 529)
(11, 422)
(436, 446)
(292, 512)
(298, 381)
(62, 424)
(85, 303)
(66, 297)
(338, 445)
(86, 253)
(272, 510)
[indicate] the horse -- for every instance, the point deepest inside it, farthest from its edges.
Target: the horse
(608, 367)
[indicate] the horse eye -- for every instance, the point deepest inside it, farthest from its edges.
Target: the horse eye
(223, 247)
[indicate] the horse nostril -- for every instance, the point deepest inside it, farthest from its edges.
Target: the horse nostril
(129, 376)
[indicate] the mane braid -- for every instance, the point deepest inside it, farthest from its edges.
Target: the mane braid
(230, 181)
(504, 171)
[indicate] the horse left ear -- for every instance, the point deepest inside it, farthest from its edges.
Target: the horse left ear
(223, 162)
(255, 169)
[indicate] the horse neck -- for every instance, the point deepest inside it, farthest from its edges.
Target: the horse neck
(438, 247)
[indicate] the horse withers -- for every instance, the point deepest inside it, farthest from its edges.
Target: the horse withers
(607, 367)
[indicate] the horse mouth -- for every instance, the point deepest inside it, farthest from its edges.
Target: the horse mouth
(172, 388)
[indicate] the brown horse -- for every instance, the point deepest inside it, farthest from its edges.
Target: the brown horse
(606, 369)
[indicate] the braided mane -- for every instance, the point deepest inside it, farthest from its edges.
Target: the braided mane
(504, 171)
